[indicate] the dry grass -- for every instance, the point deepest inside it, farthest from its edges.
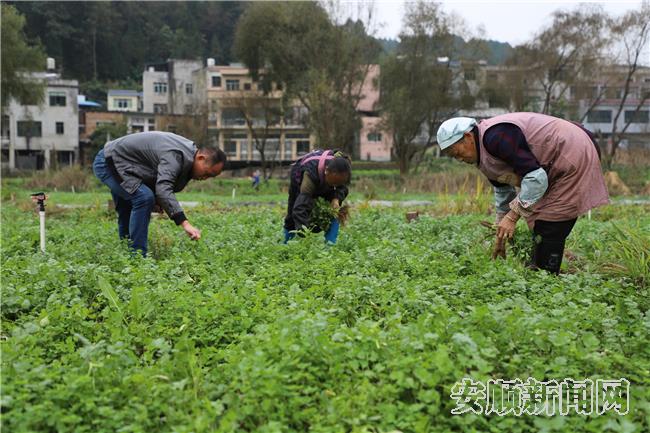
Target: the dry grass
(66, 179)
(633, 167)
(470, 182)
(615, 185)
(633, 157)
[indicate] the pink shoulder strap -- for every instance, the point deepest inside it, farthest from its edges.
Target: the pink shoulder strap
(322, 158)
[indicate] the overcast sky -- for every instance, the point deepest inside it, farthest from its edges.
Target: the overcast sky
(505, 21)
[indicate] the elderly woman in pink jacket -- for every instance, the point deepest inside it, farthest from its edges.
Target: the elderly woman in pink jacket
(554, 164)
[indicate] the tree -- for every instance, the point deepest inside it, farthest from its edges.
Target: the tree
(321, 63)
(632, 31)
(192, 125)
(103, 134)
(418, 85)
(19, 58)
(113, 40)
(560, 57)
(262, 112)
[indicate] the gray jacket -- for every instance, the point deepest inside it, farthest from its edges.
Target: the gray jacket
(160, 160)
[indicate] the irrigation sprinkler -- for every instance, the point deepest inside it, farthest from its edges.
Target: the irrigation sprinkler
(39, 198)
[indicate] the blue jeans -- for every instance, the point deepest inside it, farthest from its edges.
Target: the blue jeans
(133, 210)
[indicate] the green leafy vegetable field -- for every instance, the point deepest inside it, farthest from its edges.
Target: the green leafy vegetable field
(239, 333)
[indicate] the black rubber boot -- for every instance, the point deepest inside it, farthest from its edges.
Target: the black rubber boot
(549, 237)
(547, 255)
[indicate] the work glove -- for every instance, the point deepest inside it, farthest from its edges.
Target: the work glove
(499, 249)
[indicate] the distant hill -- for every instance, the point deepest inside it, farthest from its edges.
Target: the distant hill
(496, 53)
(114, 40)
(104, 42)
(388, 45)
(499, 52)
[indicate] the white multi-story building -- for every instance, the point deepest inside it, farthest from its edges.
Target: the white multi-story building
(38, 137)
(603, 100)
(168, 88)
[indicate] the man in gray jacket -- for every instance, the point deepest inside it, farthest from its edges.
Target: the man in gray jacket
(147, 168)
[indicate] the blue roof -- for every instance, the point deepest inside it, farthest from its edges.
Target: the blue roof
(118, 92)
(83, 102)
(89, 104)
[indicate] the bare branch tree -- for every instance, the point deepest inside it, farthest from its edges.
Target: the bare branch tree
(419, 87)
(319, 60)
(262, 113)
(633, 32)
(566, 53)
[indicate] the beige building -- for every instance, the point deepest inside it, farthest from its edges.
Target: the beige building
(124, 100)
(241, 118)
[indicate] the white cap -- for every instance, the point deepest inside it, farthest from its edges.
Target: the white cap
(453, 129)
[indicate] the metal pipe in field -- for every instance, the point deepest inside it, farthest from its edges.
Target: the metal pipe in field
(41, 215)
(39, 198)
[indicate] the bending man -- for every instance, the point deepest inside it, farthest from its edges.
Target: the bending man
(147, 168)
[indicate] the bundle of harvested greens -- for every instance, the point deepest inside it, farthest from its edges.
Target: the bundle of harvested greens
(323, 213)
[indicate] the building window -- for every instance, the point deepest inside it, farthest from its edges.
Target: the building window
(232, 117)
(374, 136)
(272, 151)
(59, 127)
(289, 141)
(65, 157)
(288, 149)
(216, 81)
(470, 74)
(614, 92)
(5, 126)
(230, 147)
(122, 103)
(57, 99)
(160, 108)
(600, 116)
(188, 89)
(243, 148)
(188, 108)
(302, 147)
(232, 84)
(296, 115)
(160, 87)
(632, 116)
(104, 123)
(234, 141)
(213, 138)
(247, 86)
(29, 128)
